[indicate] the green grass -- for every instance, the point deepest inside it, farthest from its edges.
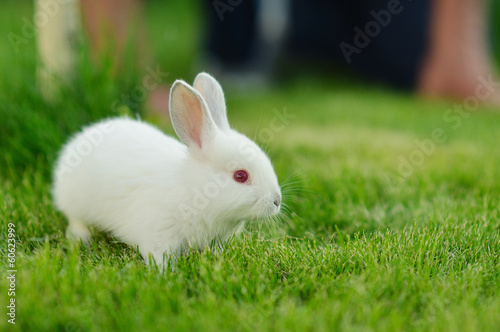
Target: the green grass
(361, 250)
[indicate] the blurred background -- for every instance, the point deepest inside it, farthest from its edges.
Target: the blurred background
(360, 73)
(96, 53)
(434, 48)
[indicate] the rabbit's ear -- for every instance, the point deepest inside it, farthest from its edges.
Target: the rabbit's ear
(190, 116)
(211, 91)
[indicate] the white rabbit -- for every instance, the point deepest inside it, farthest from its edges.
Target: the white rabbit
(151, 191)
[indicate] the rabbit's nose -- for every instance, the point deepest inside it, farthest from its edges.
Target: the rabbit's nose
(277, 201)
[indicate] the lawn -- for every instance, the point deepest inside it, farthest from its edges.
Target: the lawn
(386, 228)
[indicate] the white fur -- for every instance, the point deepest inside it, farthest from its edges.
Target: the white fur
(149, 190)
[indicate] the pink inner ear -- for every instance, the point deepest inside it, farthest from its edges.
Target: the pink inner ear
(195, 114)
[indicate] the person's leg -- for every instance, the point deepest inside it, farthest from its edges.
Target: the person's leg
(458, 50)
(231, 33)
(233, 49)
(318, 27)
(382, 40)
(110, 25)
(392, 40)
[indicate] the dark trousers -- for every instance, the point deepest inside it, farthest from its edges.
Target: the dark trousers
(382, 39)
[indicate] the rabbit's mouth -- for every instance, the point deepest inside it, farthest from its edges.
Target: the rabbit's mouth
(266, 206)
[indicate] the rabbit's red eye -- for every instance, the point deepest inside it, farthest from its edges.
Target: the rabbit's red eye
(240, 176)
